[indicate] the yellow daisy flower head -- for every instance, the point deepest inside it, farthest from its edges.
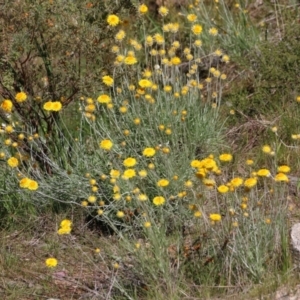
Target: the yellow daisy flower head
(236, 182)
(225, 58)
(281, 177)
(65, 227)
(225, 157)
(197, 214)
(198, 43)
(175, 45)
(209, 164)
(142, 197)
(106, 144)
(113, 20)
(143, 9)
(120, 214)
(90, 108)
(130, 60)
(119, 59)
(109, 81)
(13, 162)
(213, 31)
(24, 182)
(250, 182)
(163, 183)
(115, 49)
(48, 106)
(114, 173)
(51, 262)
(218, 52)
(244, 206)
(149, 152)
(33, 185)
(104, 99)
(129, 162)
(56, 106)
(117, 196)
(175, 60)
(266, 149)
(145, 83)
(149, 40)
(92, 199)
(263, 173)
(196, 163)
(163, 11)
(191, 18)
(159, 200)
(174, 27)
(143, 173)
(168, 88)
(215, 217)
(201, 173)
(151, 166)
(159, 39)
(6, 105)
(210, 183)
(120, 35)
(147, 73)
(128, 174)
(137, 121)
(249, 162)
(223, 189)
(65, 223)
(21, 97)
(283, 169)
(197, 29)
(147, 224)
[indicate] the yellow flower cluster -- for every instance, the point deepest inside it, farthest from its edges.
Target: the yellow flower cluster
(65, 227)
(52, 106)
(27, 183)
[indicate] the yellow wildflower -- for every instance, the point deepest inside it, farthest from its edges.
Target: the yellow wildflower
(149, 152)
(215, 217)
(13, 162)
(129, 162)
(143, 9)
(284, 169)
(113, 20)
(7, 105)
(223, 189)
(159, 200)
(163, 11)
(107, 80)
(281, 177)
(250, 182)
(197, 29)
(51, 262)
(263, 173)
(225, 157)
(106, 144)
(163, 183)
(20, 97)
(104, 99)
